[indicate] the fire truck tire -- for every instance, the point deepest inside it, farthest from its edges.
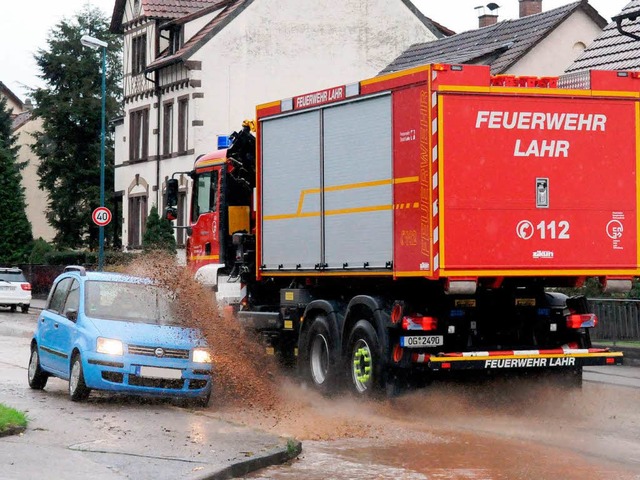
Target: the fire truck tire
(319, 363)
(364, 363)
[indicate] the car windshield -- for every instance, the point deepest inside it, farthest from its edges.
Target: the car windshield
(128, 302)
(9, 276)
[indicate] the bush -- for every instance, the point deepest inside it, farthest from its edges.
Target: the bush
(158, 234)
(40, 249)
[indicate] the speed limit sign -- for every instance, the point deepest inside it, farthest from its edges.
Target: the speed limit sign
(101, 216)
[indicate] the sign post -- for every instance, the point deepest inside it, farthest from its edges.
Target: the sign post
(101, 216)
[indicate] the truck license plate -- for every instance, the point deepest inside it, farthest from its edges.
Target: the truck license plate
(422, 341)
(157, 372)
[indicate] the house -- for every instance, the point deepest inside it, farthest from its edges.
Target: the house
(195, 69)
(23, 127)
(537, 44)
(614, 48)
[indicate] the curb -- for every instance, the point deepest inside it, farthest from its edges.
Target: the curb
(243, 468)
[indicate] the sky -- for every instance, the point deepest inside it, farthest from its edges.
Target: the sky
(24, 26)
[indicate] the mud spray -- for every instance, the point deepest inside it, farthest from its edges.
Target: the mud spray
(250, 389)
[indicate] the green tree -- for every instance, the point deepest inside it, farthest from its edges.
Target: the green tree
(16, 239)
(39, 251)
(159, 233)
(70, 107)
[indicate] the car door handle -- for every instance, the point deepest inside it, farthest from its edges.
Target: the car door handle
(55, 325)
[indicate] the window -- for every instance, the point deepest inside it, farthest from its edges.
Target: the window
(205, 194)
(176, 38)
(138, 135)
(56, 301)
(182, 218)
(73, 299)
(137, 220)
(138, 54)
(183, 124)
(167, 129)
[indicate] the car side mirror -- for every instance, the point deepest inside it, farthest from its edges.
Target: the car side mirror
(71, 314)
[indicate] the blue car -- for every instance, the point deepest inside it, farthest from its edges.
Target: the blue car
(115, 332)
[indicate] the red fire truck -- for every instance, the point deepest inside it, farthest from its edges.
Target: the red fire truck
(423, 222)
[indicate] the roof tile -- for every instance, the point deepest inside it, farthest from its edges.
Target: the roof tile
(611, 50)
(499, 45)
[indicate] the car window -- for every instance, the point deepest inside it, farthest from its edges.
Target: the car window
(73, 299)
(129, 302)
(56, 302)
(12, 276)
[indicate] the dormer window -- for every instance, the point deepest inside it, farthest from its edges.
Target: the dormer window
(176, 38)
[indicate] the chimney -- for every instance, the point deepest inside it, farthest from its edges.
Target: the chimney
(487, 19)
(530, 7)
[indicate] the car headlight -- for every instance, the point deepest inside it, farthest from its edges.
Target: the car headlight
(201, 355)
(109, 346)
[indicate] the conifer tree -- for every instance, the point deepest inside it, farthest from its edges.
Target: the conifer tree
(70, 106)
(16, 237)
(159, 233)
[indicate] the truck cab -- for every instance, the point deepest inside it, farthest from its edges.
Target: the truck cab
(221, 205)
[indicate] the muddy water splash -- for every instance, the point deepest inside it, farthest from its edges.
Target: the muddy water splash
(243, 374)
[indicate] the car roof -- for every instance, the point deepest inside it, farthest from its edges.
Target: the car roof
(10, 270)
(105, 276)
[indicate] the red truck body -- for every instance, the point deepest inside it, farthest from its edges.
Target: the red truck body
(412, 223)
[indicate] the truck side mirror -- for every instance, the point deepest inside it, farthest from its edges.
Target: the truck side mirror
(172, 192)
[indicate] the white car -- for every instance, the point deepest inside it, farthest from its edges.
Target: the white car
(15, 290)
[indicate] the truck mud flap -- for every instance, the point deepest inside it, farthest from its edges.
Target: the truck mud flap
(520, 360)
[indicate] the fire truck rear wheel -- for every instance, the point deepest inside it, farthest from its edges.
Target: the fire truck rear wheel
(364, 364)
(319, 362)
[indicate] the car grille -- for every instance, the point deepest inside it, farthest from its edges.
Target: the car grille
(156, 382)
(114, 377)
(151, 351)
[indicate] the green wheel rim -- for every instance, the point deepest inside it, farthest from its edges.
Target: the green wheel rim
(362, 366)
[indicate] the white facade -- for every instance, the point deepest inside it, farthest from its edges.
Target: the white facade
(35, 198)
(560, 48)
(271, 50)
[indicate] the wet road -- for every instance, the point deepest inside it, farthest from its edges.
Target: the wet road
(505, 430)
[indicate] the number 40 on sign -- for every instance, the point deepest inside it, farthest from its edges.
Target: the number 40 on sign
(101, 216)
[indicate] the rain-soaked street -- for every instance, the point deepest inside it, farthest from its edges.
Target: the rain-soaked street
(503, 430)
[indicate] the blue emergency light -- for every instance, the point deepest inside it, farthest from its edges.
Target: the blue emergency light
(223, 141)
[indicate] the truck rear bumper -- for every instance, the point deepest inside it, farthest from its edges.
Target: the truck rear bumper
(519, 360)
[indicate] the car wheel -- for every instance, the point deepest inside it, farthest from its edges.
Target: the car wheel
(78, 389)
(36, 376)
(12, 308)
(25, 308)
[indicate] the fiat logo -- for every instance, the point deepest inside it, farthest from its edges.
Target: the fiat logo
(159, 352)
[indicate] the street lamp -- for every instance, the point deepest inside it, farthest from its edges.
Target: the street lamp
(95, 44)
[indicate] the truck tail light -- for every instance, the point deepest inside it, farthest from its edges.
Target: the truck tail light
(26, 286)
(418, 322)
(397, 353)
(396, 313)
(583, 320)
